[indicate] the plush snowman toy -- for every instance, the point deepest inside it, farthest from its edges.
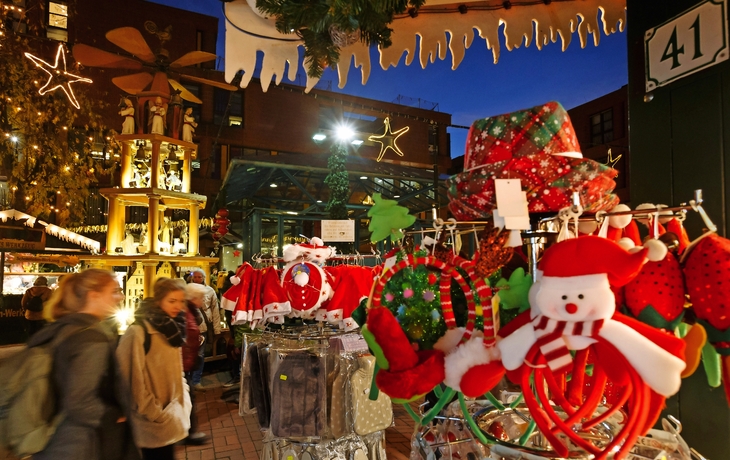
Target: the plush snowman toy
(572, 306)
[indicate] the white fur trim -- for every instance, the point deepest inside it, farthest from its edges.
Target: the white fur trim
(657, 250)
(282, 309)
(620, 221)
(240, 317)
(257, 315)
(660, 370)
(316, 241)
(514, 347)
(235, 280)
(321, 315)
(472, 353)
(228, 304)
(335, 316)
(349, 324)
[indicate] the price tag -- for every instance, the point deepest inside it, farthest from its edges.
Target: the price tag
(511, 201)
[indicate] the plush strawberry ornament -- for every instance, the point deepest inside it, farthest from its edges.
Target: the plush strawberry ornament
(656, 295)
(707, 275)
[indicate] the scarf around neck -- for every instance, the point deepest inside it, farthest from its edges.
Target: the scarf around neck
(172, 328)
(551, 334)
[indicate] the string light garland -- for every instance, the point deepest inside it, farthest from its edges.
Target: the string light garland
(388, 139)
(63, 79)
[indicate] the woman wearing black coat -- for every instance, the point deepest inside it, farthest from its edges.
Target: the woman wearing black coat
(94, 426)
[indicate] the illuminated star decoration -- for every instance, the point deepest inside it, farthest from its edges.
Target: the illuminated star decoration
(63, 79)
(611, 162)
(388, 138)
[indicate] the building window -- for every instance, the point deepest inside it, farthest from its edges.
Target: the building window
(97, 208)
(14, 18)
(57, 21)
(602, 127)
(233, 101)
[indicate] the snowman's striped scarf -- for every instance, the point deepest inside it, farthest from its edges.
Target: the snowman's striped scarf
(551, 334)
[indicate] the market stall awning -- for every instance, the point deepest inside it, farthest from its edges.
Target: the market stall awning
(295, 184)
(64, 238)
(441, 25)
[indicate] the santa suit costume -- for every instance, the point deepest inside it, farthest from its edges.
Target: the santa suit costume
(304, 281)
(573, 308)
(229, 299)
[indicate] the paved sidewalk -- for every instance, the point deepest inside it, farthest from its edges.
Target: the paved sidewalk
(239, 438)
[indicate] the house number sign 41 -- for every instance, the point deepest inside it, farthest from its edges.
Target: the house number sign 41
(688, 43)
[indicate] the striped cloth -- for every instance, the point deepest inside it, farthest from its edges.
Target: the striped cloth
(551, 334)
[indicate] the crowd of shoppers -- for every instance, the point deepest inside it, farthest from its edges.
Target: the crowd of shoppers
(130, 397)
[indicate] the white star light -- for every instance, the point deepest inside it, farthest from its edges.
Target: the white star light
(63, 78)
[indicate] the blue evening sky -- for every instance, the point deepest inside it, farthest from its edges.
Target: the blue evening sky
(523, 78)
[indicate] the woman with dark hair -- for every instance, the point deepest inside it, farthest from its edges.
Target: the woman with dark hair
(84, 370)
(150, 363)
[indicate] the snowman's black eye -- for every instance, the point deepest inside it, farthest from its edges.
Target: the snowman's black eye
(565, 297)
(580, 296)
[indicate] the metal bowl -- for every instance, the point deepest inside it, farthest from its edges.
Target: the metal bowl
(505, 427)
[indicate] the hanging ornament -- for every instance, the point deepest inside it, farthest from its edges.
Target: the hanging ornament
(223, 212)
(57, 77)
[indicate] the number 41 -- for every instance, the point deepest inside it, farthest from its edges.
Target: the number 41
(672, 50)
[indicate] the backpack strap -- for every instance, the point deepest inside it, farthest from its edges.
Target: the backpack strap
(147, 336)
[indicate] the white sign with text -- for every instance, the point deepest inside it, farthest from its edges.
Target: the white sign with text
(688, 43)
(338, 231)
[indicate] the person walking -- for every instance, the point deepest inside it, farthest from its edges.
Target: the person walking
(234, 356)
(212, 324)
(150, 364)
(191, 358)
(84, 375)
(32, 303)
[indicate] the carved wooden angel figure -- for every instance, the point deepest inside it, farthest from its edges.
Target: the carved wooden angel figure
(157, 117)
(128, 113)
(189, 125)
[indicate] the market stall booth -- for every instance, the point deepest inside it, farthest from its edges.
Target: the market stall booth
(29, 248)
(587, 392)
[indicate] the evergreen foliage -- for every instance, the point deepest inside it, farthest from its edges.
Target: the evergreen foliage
(318, 21)
(50, 163)
(337, 182)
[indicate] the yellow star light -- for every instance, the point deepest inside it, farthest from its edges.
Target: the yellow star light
(611, 162)
(388, 138)
(63, 79)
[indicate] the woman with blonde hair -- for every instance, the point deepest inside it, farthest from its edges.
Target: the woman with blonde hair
(84, 373)
(150, 364)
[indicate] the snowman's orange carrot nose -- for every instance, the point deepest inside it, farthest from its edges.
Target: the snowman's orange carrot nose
(571, 308)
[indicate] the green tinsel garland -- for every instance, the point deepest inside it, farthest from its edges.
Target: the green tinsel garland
(322, 24)
(337, 182)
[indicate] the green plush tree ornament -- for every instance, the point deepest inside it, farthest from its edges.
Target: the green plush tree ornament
(513, 293)
(387, 218)
(414, 299)
(337, 182)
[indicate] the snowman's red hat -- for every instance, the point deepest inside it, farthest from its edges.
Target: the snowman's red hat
(591, 255)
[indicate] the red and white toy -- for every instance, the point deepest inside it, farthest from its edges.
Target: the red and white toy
(304, 281)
